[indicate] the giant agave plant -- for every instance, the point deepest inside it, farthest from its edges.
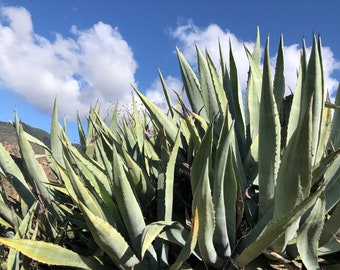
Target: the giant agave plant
(221, 182)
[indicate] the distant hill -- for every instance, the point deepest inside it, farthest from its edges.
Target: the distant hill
(8, 138)
(8, 134)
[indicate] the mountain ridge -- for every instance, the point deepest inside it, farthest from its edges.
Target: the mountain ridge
(9, 138)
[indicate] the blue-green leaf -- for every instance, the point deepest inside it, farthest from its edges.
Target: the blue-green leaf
(269, 140)
(309, 234)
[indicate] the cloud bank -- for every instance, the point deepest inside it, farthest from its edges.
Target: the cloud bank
(98, 63)
(95, 64)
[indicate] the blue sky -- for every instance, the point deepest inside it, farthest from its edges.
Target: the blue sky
(82, 51)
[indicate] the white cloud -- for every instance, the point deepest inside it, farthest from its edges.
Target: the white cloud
(96, 64)
(207, 38)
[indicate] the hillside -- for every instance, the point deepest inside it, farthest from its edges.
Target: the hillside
(8, 133)
(8, 137)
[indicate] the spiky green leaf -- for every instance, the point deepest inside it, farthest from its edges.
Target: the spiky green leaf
(49, 253)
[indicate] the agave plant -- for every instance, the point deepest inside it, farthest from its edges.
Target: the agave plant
(283, 148)
(220, 182)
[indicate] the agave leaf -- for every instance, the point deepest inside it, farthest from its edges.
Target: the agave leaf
(327, 164)
(191, 86)
(110, 240)
(269, 140)
(195, 125)
(221, 97)
(18, 181)
(152, 231)
(256, 55)
(253, 88)
(176, 117)
(233, 200)
(308, 235)
(334, 138)
(274, 229)
(150, 156)
(21, 232)
(207, 88)
(26, 224)
(169, 180)
(253, 97)
(279, 79)
(332, 247)
(165, 191)
(202, 199)
(114, 119)
(190, 244)
(34, 169)
(13, 259)
(223, 174)
(325, 128)
(102, 153)
(331, 227)
(243, 181)
(127, 203)
(315, 81)
(138, 129)
(328, 173)
(161, 178)
(121, 136)
(256, 231)
(49, 253)
(56, 130)
(166, 94)
(99, 202)
(200, 159)
(234, 93)
(142, 184)
(225, 78)
(331, 105)
(296, 104)
(81, 133)
(190, 125)
(159, 117)
(91, 170)
(89, 145)
(108, 206)
(8, 216)
(101, 127)
(312, 86)
(99, 156)
(151, 147)
(131, 141)
(333, 186)
(176, 234)
(78, 192)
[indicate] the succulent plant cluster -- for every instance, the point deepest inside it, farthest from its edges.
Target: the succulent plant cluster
(223, 182)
